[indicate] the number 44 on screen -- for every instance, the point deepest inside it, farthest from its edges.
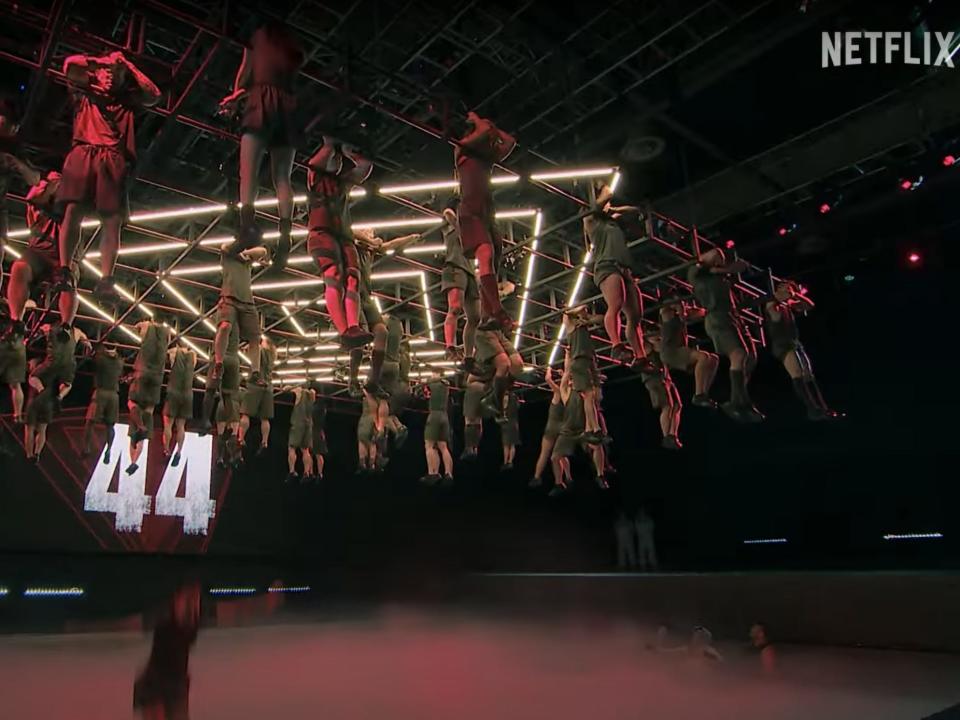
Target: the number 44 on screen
(130, 503)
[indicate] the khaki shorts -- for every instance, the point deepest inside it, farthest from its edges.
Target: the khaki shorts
(583, 373)
(438, 427)
(178, 406)
(243, 316)
(13, 363)
(471, 401)
(301, 436)
(145, 389)
(365, 430)
(106, 407)
(228, 410)
(454, 277)
(726, 334)
(657, 390)
(567, 445)
(510, 433)
(258, 402)
(677, 358)
(371, 313)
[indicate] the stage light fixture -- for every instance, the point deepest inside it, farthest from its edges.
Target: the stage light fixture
(914, 258)
(571, 302)
(825, 208)
(232, 590)
(528, 278)
(73, 591)
(949, 160)
(914, 536)
(765, 541)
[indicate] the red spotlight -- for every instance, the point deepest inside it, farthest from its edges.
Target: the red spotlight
(825, 208)
(730, 244)
(914, 258)
(906, 184)
(782, 231)
(949, 160)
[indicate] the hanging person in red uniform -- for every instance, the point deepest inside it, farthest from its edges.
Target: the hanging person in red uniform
(106, 91)
(476, 153)
(263, 92)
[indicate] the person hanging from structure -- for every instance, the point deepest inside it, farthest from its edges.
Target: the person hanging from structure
(331, 241)
(368, 248)
(584, 375)
(265, 98)
(237, 311)
(552, 429)
(228, 409)
(258, 399)
(391, 382)
(646, 546)
(676, 353)
(300, 438)
(613, 276)
(510, 430)
(50, 381)
(104, 407)
(780, 314)
(400, 395)
(572, 434)
(178, 407)
(713, 289)
(436, 433)
(478, 384)
(474, 156)
(37, 264)
(105, 91)
(367, 434)
(319, 428)
(459, 286)
(144, 395)
(664, 396)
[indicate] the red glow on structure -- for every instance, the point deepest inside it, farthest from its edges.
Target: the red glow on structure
(730, 244)
(825, 208)
(782, 231)
(914, 258)
(949, 160)
(906, 184)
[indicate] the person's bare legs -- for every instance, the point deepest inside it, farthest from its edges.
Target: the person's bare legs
(69, 234)
(704, 371)
(633, 309)
(29, 433)
(307, 459)
(546, 450)
(109, 243)
(16, 401)
(471, 308)
(592, 422)
(252, 152)
(351, 299)
(433, 457)
(362, 455)
(561, 470)
(18, 289)
(446, 457)
(40, 441)
(318, 461)
(168, 423)
(333, 294)
(599, 456)
(613, 295)
(181, 433)
(452, 318)
(291, 460)
(242, 429)
(281, 166)
(264, 432)
(220, 341)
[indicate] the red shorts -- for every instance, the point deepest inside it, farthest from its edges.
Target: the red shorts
(330, 250)
(95, 176)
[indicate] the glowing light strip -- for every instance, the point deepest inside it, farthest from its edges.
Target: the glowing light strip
(572, 174)
(193, 346)
(293, 321)
(528, 279)
(4, 591)
(426, 306)
(376, 301)
(571, 301)
(913, 536)
(53, 592)
(304, 303)
(518, 213)
(326, 359)
(120, 289)
(232, 590)
(615, 181)
(766, 541)
(12, 251)
(187, 304)
(180, 212)
(424, 249)
(279, 284)
(419, 187)
(107, 316)
(406, 222)
(396, 274)
(289, 589)
(332, 333)
(195, 270)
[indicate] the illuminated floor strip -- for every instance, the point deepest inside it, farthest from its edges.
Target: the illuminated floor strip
(913, 536)
(53, 592)
(766, 541)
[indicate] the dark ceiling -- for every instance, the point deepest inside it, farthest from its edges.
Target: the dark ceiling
(718, 114)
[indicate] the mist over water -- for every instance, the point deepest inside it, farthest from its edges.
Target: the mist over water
(415, 663)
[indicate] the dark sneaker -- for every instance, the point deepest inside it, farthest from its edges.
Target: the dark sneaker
(176, 459)
(248, 236)
(558, 489)
(355, 337)
(105, 292)
(447, 481)
(282, 254)
(292, 477)
(355, 390)
(468, 454)
(592, 438)
(602, 482)
(139, 436)
(63, 280)
(704, 401)
(535, 482)
(622, 354)
(106, 458)
(132, 468)
(670, 442)
(430, 479)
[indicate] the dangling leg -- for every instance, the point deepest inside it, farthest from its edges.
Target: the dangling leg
(264, 433)
(243, 428)
(612, 288)
(447, 459)
(111, 435)
(471, 307)
(591, 419)
(433, 462)
(16, 402)
(633, 309)
(307, 460)
(18, 292)
(281, 164)
(252, 152)
(356, 356)
(546, 450)
(105, 292)
(451, 320)
(88, 428)
(64, 280)
(333, 293)
(705, 366)
(494, 317)
(167, 434)
(792, 363)
(40, 442)
(377, 356)
(291, 462)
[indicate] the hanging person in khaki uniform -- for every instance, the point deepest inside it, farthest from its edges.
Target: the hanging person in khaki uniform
(104, 408)
(436, 433)
(258, 400)
(144, 395)
(178, 408)
(676, 353)
(300, 438)
(459, 286)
